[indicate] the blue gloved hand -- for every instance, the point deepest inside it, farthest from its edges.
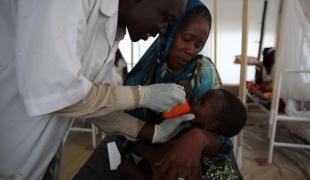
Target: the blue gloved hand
(161, 97)
(166, 130)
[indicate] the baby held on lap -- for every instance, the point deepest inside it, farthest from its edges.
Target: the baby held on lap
(217, 111)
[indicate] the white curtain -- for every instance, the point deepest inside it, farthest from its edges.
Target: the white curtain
(295, 54)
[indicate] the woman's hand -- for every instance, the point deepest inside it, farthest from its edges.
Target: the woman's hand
(183, 157)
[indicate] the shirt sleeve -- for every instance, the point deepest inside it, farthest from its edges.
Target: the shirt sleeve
(101, 100)
(49, 39)
(120, 122)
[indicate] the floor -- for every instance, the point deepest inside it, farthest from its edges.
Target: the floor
(77, 150)
(287, 163)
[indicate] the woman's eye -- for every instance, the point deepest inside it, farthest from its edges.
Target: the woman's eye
(186, 38)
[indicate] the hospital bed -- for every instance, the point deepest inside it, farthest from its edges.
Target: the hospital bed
(275, 117)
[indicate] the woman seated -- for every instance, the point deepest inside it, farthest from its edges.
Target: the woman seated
(175, 59)
(171, 59)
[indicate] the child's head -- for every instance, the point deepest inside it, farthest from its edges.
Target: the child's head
(219, 111)
(190, 37)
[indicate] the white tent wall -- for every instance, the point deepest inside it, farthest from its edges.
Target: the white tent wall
(229, 34)
(133, 51)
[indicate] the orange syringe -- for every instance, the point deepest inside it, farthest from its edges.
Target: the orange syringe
(177, 111)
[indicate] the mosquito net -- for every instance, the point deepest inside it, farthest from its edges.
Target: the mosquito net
(295, 54)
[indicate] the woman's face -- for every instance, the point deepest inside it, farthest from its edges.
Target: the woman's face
(188, 42)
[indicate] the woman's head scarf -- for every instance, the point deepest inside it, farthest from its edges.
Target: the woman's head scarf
(162, 47)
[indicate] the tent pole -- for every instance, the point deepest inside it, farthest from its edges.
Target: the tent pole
(131, 54)
(262, 31)
(215, 9)
(243, 73)
(277, 64)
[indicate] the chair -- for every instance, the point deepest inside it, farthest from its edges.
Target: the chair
(92, 130)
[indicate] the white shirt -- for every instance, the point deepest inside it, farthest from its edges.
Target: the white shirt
(51, 52)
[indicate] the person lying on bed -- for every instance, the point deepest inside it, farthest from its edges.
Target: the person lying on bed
(218, 111)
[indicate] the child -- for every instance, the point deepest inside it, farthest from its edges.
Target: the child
(218, 111)
(263, 77)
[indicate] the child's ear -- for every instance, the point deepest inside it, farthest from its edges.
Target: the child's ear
(212, 124)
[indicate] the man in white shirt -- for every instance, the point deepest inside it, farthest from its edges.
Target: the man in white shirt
(56, 58)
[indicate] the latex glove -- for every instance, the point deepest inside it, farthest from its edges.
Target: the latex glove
(161, 97)
(166, 130)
